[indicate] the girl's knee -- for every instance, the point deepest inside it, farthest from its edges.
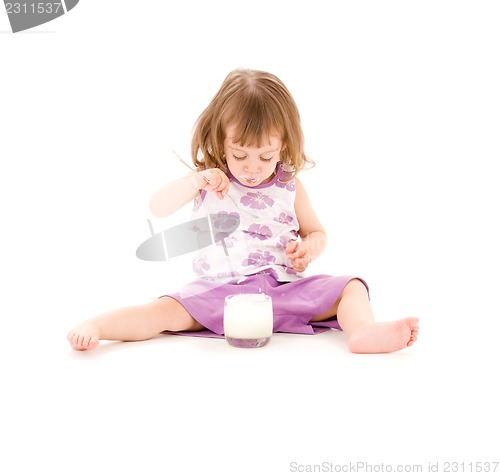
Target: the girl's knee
(165, 302)
(355, 286)
(175, 316)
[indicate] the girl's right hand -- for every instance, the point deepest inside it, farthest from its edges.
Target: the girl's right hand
(213, 180)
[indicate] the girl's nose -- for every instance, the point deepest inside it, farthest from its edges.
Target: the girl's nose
(252, 168)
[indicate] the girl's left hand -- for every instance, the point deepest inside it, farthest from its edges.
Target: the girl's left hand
(298, 253)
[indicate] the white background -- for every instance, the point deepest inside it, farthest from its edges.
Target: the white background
(400, 107)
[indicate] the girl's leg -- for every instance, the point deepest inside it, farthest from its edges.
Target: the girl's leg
(355, 316)
(133, 323)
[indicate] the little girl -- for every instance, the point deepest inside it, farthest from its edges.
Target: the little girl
(247, 147)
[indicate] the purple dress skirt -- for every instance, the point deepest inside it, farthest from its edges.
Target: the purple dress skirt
(294, 303)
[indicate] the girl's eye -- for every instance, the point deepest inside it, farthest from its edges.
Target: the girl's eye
(264, 159)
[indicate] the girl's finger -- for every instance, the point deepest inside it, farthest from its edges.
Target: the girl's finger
(301, 264)
(291, 247)
(223, 186)
(225, 189)
(301, 251)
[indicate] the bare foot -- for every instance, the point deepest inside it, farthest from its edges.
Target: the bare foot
(381, 337)
(84, 337)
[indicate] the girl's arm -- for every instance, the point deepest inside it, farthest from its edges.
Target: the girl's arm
(313, 235)
(174, 195)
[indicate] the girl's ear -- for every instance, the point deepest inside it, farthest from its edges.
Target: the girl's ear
(224, 163)
(284, 155)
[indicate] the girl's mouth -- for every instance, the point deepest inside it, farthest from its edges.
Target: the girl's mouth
(249, 180)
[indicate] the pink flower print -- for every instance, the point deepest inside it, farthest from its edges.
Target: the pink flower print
(281, 245)
(257, 200)
(259, 258)
(289, 185)
(225, 239)
(200, 265)
(224, 224)
(284, 218)
(260, 232)
(226, 221)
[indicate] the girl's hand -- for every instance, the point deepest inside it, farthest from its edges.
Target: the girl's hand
(298, 253)
(213, 180)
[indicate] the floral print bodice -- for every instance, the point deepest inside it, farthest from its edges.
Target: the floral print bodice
(251, 228)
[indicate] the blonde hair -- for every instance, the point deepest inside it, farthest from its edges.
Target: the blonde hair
(258, 104)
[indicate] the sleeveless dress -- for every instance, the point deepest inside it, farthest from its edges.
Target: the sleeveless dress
(251, 227)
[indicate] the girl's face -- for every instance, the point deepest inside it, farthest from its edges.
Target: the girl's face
(252, 166)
